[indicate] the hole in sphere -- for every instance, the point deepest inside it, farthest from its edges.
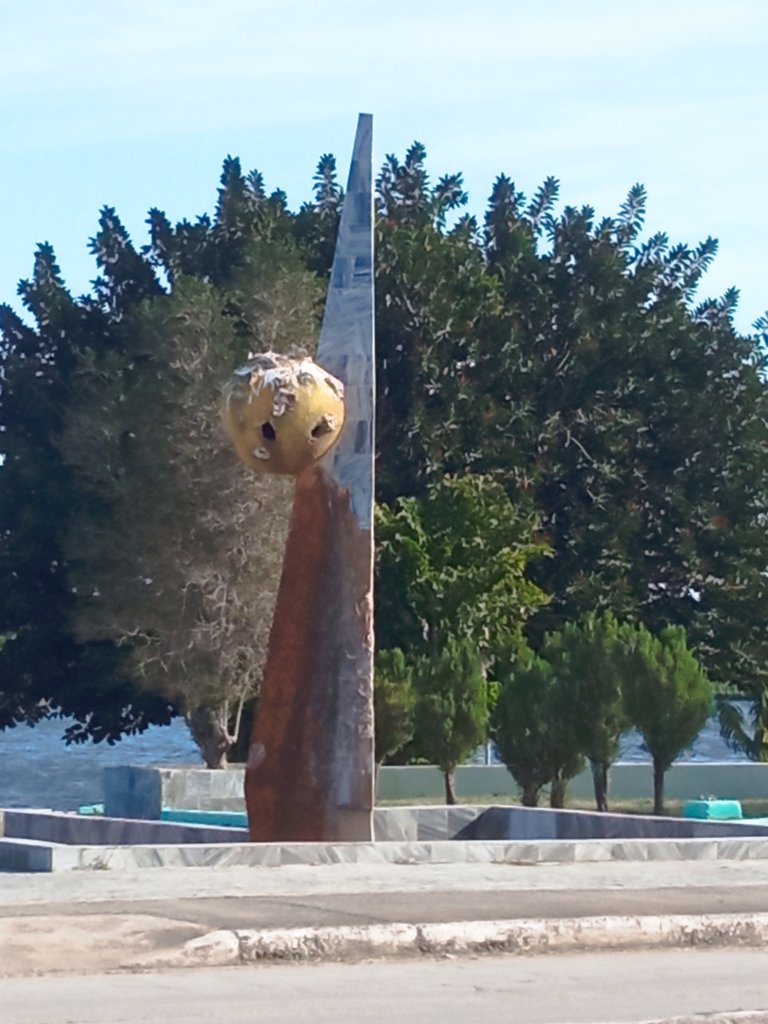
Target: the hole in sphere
(324, 426)
(268, 431)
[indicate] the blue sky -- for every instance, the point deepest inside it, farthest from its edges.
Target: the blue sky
(134, 103)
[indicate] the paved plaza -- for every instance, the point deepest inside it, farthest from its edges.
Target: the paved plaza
(83, 921)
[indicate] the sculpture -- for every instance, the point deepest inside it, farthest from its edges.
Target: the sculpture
(283, 414)
(310, 768)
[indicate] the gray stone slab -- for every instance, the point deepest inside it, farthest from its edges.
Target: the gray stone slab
(25, 855)
(37, 856)
(40, 841)
(544, 823)
(75, 829)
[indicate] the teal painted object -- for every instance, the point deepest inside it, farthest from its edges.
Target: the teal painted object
(713, 810)
(232, 819)
(90, 809)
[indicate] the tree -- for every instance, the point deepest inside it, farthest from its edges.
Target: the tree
(453, 564)
(431, 292)
(668, 697)
(317, 223)
(532, 727)
(566, 355)
(43, 668)
(589, 665)
(451, 586)
(451, 707)
(132, 373)
(394, 702)
(563, 355)
(181, 559)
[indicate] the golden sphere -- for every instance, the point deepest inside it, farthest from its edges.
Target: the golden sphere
(282, 414)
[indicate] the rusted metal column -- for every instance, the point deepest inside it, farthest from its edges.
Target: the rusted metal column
(310, 770)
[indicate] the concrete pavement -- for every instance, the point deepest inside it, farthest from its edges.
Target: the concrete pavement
(171, 917)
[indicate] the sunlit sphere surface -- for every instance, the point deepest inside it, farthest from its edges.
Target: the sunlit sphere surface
(282, 413)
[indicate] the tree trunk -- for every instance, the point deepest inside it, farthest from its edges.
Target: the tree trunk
(557, 792)
(210, 735)
(530, 794)
(658, 787)
(450, 789)
(238, 753)
(600, 782)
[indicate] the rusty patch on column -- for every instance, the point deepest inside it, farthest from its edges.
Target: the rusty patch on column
(308, 776)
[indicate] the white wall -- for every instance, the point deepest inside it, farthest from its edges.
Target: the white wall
(741, 781)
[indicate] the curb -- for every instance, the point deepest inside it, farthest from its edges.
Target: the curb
(470, 938)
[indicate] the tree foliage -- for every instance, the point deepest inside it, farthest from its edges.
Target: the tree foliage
(43, 667)
(668, 697)
(537, 365)
(453, 563)
(164, 561)
(394, 702)
(451, 716)
(590, 665)
(535, 733)
(181, 559)
(567, 355)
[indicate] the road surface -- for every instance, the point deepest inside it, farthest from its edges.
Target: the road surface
(556, 989)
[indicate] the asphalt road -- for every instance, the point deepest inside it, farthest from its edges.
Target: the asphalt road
(558, 989)
(311, 910)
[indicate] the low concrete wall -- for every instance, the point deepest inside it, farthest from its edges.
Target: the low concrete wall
(52, 841)
(541, 823)
(726, 779)
(142, 792)
(75, 829)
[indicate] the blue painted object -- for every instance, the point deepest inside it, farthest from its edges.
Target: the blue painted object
(90, 809)
(232, 819)
(713, 810)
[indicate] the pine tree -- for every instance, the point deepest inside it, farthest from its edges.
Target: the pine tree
(667, 695)
(451, 707)
(533, 728)
(587, 660)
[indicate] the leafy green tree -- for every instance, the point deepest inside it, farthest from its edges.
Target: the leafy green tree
(432, 290)
(394, 702)
(567, 354)
(590, 666)
(181, 560)
(668, 697)
(453, 564)
(532, 727)
(110, 403)
(451, 707)
(564, 355)
(44, 669)
(317, 222)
